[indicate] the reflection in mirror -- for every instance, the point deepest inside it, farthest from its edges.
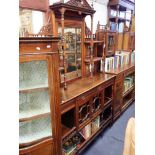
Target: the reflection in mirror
(73, 53)
(30, 22)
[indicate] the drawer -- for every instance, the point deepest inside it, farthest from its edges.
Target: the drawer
(85, 97)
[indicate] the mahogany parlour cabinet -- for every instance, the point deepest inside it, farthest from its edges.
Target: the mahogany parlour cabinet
(39, 96)
(124, 88)
(86, 109)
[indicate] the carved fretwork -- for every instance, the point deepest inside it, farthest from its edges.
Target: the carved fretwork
(79, 3)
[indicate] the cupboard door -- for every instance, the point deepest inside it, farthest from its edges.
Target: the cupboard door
(34, 101)
(84, 112)
(96, 104)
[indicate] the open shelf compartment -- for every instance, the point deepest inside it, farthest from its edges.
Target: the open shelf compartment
(127, 100)
(108, 95)
(106, 116)
(68, 122)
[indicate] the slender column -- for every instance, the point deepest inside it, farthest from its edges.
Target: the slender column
(91, 48)
(63, 47)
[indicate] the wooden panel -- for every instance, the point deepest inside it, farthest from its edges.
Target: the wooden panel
(118, 96)
(119, 77)
(119, 41)
(126, 41)
(45, 150)
(44, 146)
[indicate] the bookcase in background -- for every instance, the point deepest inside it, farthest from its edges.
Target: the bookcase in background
(39, 96)
(120, 20)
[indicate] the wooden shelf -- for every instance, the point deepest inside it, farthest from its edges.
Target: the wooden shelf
(92, 135)
(95, 41)
(97, 113)
(128, 91)
(107, 100)
(34, 137)
(127, 103)
(83, 85)
(105, 121)
(95, 59)
(33, 89)
(119, 18)
(31, 116)
(66, 131)
(120, 69)
(110, 53)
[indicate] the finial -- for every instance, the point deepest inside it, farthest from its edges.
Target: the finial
(92, 5)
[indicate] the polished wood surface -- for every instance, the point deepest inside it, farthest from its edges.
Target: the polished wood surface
(83, 85)
(121, 69)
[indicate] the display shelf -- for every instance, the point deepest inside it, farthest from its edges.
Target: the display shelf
(95, 59)
(32, 115)
(66, 131)
(71, 146)
(119, 70)
(83, 85)
(95, 41)
(119, 18)
(107, 120)
(89, 120)
(107, 100)
(33, 88)
(87, 140)
(30, 79)
(35, 130)
(127, 100)
(128, 91)
(33, 105)
(106, 116)
(127, 103)
(68, 122)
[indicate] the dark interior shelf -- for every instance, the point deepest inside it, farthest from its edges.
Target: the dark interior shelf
(107, 100)
(106, 116)
(66, 131)
(128, 91)
(68, 122)
(127, 100)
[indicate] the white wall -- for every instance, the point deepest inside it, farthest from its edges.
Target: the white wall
(101, 12)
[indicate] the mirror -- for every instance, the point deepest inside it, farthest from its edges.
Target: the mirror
(30, 22)
(73, 53)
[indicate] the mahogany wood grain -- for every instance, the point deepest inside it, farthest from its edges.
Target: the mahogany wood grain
(83, 85)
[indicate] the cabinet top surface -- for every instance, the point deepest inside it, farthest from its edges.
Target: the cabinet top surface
(120, 70)
(83, 85)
